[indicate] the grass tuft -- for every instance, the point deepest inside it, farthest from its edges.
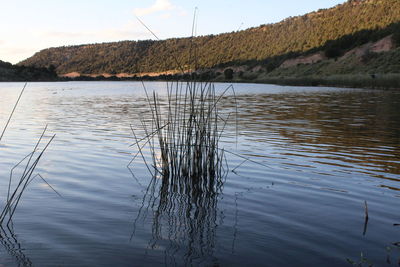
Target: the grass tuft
(184, 133)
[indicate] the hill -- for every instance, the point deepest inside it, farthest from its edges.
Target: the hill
(9, 72)
(333, 31)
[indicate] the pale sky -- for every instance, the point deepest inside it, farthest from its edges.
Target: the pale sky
(28, 26)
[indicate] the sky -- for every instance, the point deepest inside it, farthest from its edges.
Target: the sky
(28, 26)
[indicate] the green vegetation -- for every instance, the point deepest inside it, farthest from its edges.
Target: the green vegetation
(333, 30)
(372, 70)
(228, 73)
(9, 72)
(373, 63)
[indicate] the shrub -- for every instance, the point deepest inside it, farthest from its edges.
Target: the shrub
(228, 73)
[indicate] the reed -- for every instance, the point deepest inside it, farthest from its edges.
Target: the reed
(184, 133)
(12, 112)
(14, 195)
(32, 159)
(182, 151)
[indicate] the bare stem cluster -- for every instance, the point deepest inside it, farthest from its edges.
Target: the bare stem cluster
(183, 135)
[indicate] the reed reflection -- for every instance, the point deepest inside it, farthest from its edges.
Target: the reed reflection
(11, 244)
(181, 139)
(184, 218)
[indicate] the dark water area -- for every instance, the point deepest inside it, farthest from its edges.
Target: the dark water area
(316, 155)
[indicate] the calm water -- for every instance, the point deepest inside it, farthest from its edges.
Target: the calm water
(327, 150)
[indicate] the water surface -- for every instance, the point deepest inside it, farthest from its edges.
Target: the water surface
(327, 149)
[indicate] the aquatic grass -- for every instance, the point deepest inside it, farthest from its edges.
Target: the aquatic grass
(14, 195)
(184, 132)
(179, 142)
(32, 159)
(181, 149)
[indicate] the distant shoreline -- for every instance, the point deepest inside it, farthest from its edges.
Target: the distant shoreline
(362, 81)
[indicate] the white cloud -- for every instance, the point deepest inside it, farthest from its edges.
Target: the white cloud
(159, 5)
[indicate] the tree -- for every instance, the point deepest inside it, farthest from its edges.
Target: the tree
(228, 73)
(396, 38)
(332, 52)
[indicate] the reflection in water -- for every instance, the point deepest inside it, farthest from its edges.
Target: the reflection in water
(355, 131)
(184, 221)
(10, 242)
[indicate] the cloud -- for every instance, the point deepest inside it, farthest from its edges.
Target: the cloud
(159, 5)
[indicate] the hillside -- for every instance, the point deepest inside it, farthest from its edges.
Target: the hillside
(365, 70)
(9, 72)
(268, 45)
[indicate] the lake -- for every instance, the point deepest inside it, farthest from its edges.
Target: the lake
(316, 155)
